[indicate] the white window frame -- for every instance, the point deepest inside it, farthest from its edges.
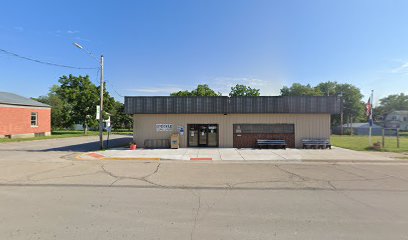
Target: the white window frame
(36, 119)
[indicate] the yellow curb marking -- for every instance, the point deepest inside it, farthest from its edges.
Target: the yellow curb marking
(79, 156)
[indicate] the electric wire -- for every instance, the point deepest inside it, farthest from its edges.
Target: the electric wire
(113, 88)
(60, 65)
(42, 62)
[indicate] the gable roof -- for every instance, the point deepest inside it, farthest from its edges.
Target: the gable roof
(14, 99)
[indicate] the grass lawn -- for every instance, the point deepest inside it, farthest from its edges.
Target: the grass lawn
(360, 143)
(60, 134)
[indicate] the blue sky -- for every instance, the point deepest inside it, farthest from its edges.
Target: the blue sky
(154, 47)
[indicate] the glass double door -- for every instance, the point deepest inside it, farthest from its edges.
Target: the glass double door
(202, 135)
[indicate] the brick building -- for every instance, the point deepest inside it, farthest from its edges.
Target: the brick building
(230, 121)
(23, 117)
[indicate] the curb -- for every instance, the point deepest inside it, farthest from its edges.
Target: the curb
(96, 156)
(131, 159)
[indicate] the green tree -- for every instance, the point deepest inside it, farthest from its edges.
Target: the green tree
(75, 101)
(298, 89)
(82, 96)
(185, 93)
(328, 88)
(242, 90)
(201, 90)
(353, 107)
(60, 110)
(119, 119)
(391, 103)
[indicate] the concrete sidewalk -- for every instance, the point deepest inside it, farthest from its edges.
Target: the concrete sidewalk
(233, 154)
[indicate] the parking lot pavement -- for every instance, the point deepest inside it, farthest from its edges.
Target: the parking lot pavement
(51, 195)
(226, 154)
(202, 200)
(54, 149)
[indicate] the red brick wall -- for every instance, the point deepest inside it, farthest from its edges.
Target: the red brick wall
(18, 121)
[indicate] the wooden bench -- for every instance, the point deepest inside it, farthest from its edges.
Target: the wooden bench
(271, 143)
(316, 144)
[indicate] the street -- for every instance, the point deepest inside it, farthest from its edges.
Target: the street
(45, 193)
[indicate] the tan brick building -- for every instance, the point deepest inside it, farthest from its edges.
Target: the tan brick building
(230, 122)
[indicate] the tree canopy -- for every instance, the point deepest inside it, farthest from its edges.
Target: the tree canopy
(75, 100)
(391, 103)
(353, 106)
(205, 90)
(201, 90)
(240, 90)
(60, 117)
(298, 89)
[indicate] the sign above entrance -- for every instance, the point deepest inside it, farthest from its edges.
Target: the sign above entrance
(164, 127)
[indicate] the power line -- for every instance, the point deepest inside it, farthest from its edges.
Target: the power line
(59, 65)
(110, 84)
(43, 62)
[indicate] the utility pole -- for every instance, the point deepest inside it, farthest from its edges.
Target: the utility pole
(101, 106)
(101, 90)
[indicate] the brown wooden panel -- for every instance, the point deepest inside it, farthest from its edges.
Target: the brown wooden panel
(248, 140)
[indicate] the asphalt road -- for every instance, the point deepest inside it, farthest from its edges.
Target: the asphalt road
(46, 194)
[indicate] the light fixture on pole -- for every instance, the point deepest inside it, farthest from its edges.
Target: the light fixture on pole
(101, 63)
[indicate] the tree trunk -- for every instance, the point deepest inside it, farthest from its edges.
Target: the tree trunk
(85, 128)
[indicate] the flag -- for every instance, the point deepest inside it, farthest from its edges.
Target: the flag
(368, 108)
(369, 111)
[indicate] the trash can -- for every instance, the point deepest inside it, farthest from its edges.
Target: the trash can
(175, 141)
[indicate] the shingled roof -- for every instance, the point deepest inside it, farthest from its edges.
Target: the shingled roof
(14, 99)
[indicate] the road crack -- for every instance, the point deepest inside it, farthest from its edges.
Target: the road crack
(196, 214)
(143, 179)
(292, 175)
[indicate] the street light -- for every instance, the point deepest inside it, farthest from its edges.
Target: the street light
(101, 91)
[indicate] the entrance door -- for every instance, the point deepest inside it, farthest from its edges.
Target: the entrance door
(202, 135)
(202, 139)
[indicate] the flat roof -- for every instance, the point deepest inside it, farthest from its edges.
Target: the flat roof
(14, 99)
(232, 105)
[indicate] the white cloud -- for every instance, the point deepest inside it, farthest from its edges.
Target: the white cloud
(72, 31)
(403, 68)
(82, 39)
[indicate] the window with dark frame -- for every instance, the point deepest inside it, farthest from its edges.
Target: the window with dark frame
(34, 119)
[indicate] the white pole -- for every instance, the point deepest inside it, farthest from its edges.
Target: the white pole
(371, 117)
(101, 105)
